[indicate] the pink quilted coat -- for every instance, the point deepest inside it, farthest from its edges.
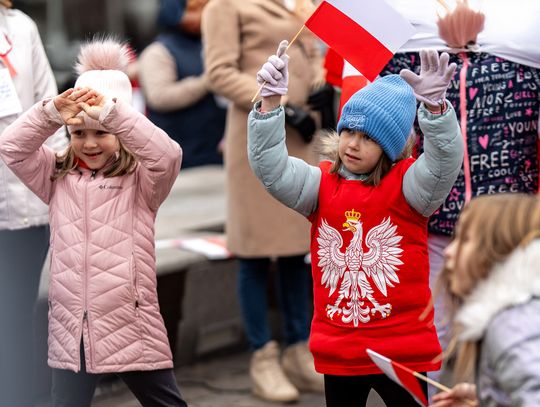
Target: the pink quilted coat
(102, 283)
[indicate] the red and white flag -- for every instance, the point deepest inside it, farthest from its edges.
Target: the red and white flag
(351, 82)
(402, 375)
(364, 32)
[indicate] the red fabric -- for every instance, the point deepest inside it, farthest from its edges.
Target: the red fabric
(333, 63)
(349, 39)
(350, 85)
(80, 163)
(409, 381)
(339, 347)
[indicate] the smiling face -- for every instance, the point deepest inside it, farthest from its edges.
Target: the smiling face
(94, 147)
(358, 152)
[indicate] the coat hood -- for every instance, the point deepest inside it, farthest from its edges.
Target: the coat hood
(512, 282)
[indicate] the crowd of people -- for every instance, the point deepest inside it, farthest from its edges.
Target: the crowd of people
(419, 213)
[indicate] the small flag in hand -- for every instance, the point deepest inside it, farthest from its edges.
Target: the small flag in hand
(364, 32)
(402, 375)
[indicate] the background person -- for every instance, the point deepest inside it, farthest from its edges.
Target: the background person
(24, 234)
(238, 36)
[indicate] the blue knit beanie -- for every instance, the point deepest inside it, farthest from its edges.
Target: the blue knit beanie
(384, 110)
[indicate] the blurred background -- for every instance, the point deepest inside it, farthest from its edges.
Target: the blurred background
(63, 24)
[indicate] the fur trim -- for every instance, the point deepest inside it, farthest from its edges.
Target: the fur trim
(327, 145)
(512, 282)
(103, 54)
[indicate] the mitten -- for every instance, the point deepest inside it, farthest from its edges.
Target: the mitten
(435, 76)
(274, 76)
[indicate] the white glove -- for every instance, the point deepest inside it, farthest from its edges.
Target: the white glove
(274, 75)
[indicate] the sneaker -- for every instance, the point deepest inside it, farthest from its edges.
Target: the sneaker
(298, 365)
(268, 380)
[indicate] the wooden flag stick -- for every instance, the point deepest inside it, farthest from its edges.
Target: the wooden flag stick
(441, 387)
(288, 46)
(432, 382)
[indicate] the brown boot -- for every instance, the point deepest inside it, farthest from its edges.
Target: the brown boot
(298, 365)
(268, 380)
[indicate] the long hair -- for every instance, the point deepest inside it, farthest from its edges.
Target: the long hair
(125, 163)
(328, 147)
(497, 225)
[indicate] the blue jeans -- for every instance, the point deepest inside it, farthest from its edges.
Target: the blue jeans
(292, 287)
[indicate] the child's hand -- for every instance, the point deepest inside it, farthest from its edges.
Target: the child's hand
(274, 73)
(93, 106)
(68, 104)
(461, 395)
(435, 76)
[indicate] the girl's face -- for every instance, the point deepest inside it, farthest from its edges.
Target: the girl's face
(358, 152)
(456, 262)
(94, 147)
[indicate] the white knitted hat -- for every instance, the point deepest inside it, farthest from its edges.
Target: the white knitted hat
(102, 66)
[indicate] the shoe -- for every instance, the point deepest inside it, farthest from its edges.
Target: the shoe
(298, 365)
(268, 380)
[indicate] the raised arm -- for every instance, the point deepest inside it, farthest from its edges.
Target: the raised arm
(290, 180)
(429, 180)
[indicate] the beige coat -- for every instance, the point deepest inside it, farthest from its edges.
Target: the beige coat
(239, 36)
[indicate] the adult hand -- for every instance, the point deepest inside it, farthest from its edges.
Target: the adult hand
(461, 395)
(435, 76)
(274, 75)
(69, 102)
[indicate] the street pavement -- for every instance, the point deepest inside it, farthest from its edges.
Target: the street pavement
(216, 381)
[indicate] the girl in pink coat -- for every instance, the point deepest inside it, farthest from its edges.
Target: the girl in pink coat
(103, 193)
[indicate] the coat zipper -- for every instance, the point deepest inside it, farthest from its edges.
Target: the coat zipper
(85, 271)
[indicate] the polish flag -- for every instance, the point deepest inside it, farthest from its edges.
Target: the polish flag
(364, 32)
(333, 64)
(405, 377)
(352, 81)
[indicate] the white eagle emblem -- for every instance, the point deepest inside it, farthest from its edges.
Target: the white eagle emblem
(350, 270)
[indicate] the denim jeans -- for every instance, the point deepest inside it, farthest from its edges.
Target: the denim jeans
(292, 287)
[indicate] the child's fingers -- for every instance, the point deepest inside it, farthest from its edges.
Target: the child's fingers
(84, 106)
(66, 93)
(282, 47)
(266, 74)
(77, 93)
(74, 121)
(276, 62)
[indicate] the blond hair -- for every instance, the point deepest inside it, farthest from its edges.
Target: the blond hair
(327, 146)
(125, 163)
(499, 224)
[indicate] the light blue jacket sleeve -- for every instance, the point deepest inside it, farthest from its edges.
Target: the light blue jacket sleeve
(428, 181)
(290, 180)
